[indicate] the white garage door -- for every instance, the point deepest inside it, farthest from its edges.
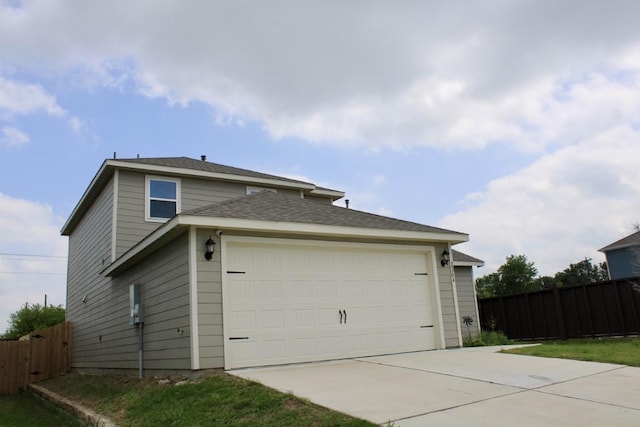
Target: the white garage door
(298, 302)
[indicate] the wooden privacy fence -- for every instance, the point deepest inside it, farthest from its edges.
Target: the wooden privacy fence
(44, 354)
(610, 308)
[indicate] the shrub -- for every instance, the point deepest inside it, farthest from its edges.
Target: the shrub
(487, 338)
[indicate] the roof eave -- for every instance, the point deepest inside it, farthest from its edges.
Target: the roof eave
(467, 263)
(80, 206)
(171, 170)
(321, 229)
(333, 194)
(183, 221)
(616, 247)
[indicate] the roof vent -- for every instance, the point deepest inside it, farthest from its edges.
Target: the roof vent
(204, 158)
(346, 202)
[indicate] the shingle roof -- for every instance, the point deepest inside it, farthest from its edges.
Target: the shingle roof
(187, 164)
(462, 257)
(631, 240)
(205, 166)
(270, 206)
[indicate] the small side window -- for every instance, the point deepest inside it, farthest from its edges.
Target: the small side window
(163, 198)
(254, 190)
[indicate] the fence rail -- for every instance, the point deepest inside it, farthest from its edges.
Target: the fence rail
(43, 355)
(610, 308)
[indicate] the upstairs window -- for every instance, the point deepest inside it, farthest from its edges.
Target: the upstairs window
(163, 198)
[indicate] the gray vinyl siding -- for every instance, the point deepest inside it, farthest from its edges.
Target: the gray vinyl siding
(89, 253)
(104, 339)
(131, 224)
(211, 342)
(447, 303)
(467, 299)
(320, 199)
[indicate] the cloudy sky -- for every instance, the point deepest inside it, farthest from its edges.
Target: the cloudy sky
(517, 122)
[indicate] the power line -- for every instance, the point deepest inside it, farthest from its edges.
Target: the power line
(35, 272)
(32, 255)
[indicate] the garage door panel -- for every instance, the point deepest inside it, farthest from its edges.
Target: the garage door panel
(269, 289)
(301, 318)
(329, 346)
(244, 320)
(327, 317)
(271, 319)
(299, 288)
(325, 288)
(243, 289)
(304, 347)
(289, 301)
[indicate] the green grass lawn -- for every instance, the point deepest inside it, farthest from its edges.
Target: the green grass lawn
(219, 399)
(623, 351)
(26, 410)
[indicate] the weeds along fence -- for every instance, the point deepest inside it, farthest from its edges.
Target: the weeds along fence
(610, 308)
(37, 357)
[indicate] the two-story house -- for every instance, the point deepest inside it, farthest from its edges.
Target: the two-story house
(179, 265)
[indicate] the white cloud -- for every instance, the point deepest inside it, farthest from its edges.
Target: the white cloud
(25, 98)
(13, 137)
(383, 74)
(76, 124)
(563, 207)
(30, 228)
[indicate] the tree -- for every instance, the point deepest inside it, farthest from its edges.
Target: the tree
(33, 318)
(516, 275)
(582, 272)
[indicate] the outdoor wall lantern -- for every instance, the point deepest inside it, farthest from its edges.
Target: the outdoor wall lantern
(444, 258)
(210, 244)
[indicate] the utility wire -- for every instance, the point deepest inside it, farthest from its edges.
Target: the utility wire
(32, 255)
(35, 272)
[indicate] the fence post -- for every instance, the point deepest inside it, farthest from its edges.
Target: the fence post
(559, 313)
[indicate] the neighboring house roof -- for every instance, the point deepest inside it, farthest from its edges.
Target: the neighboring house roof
(461, 259)
(629, 241)
(278, 213)
(184, 166)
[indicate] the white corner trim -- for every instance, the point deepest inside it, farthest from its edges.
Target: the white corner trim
(437, 299)
(475, 301)
(193, 300)
(114, 217)
(454, 288)
(225, 298)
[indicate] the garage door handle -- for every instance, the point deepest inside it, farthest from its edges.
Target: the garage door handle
(345, 316)
(340, 313)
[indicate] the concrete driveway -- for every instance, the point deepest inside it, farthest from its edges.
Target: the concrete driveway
(469, 386)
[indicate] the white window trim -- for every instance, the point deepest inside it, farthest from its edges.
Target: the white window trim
(252, 189)
(147, 196)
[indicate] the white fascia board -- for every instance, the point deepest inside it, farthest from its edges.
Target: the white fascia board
(213, 175)
(279, 227)
(467, 264)
(142, 245)
(323, 192)
(318, 229)
(64, 231)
